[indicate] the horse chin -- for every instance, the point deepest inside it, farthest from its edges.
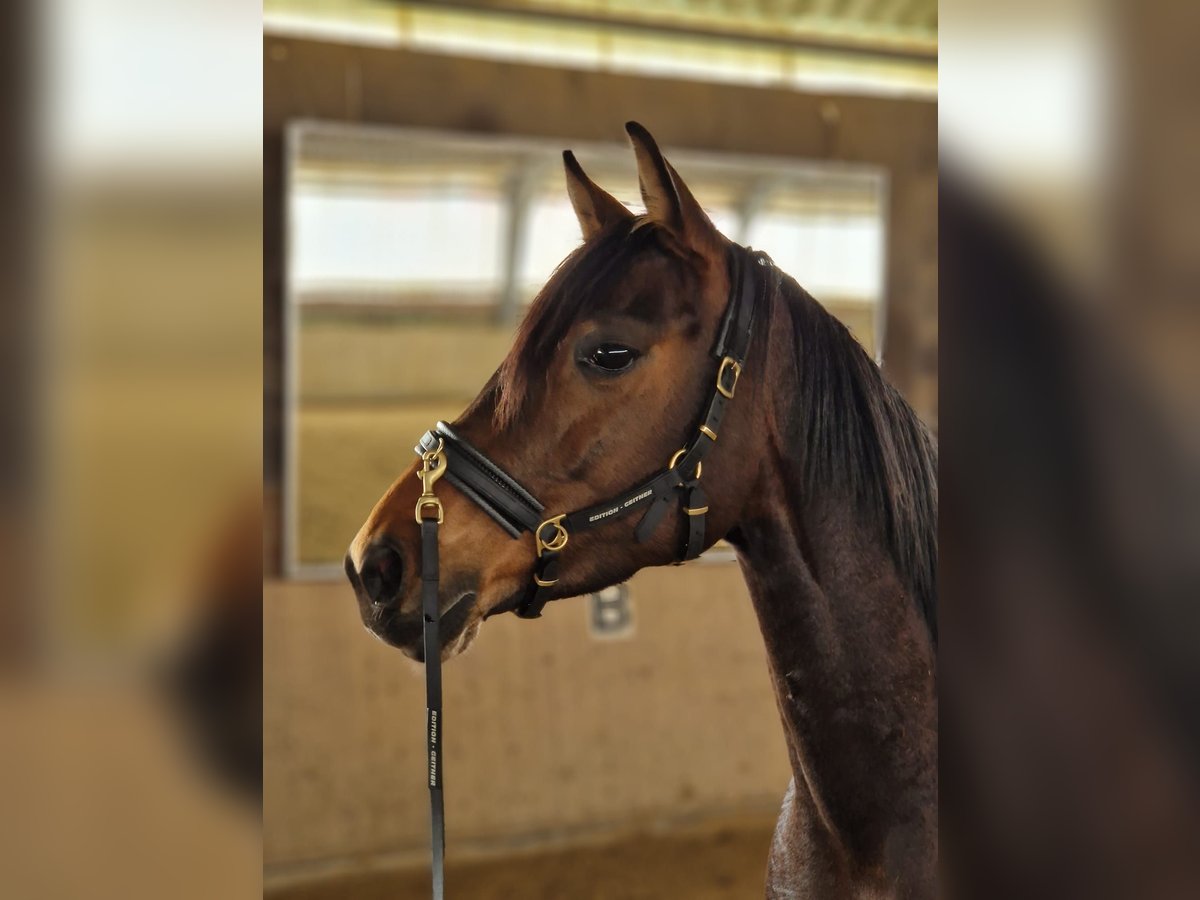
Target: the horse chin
(465, 639)
(461, 623)
(457, 627)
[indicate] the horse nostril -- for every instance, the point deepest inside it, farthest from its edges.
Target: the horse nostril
(382, 572)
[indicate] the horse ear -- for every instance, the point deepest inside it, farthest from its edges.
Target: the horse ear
(594, 207)
(668, 200)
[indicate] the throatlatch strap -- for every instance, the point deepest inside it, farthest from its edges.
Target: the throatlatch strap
(433, 697)
(545, 573)
(695, 505)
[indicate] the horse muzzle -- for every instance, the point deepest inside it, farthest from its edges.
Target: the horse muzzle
(379, 587)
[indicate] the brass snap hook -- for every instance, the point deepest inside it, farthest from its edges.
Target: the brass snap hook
(433, 467)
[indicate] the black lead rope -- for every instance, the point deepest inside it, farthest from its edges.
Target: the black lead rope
(433, 697)
(429, 516)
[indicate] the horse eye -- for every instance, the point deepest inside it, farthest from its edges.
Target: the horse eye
(612, 357)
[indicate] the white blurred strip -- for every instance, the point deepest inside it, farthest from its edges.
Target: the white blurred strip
(1022, 98)
(610, 49)
(145, 87)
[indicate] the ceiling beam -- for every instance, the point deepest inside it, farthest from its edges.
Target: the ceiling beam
(910, 50)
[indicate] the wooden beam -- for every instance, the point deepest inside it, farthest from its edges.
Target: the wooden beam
(344, 83)
(764, 36)
(522, 190)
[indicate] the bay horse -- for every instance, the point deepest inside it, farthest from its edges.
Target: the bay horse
(823, 480)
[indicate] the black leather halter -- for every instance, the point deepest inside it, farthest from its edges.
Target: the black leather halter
(445, 453)
(516, 510)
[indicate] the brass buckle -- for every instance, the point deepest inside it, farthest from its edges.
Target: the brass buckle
(695, 512)
(433, 467)
(541, 583)
(678, 454)
(728, 364)
(554, 544)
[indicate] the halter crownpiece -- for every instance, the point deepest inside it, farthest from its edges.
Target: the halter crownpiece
(517, 511)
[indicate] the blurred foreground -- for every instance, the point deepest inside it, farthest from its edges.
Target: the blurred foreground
(105, 799)
(1070, 671)
(131, 446)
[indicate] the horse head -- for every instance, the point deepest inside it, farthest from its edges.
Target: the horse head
(604, 384)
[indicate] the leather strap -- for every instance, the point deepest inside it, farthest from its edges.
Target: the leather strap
(695, 507)
(738, 323)
(433, 696)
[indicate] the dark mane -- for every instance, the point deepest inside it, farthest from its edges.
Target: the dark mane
(581, 283)
(861, 438)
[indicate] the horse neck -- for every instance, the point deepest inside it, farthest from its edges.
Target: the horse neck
(850, 656)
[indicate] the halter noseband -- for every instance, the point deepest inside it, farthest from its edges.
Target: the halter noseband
(516, 510)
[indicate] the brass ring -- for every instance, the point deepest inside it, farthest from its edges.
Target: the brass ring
(435, 503)
(436, 451)
(679, 453)
(558, 541)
